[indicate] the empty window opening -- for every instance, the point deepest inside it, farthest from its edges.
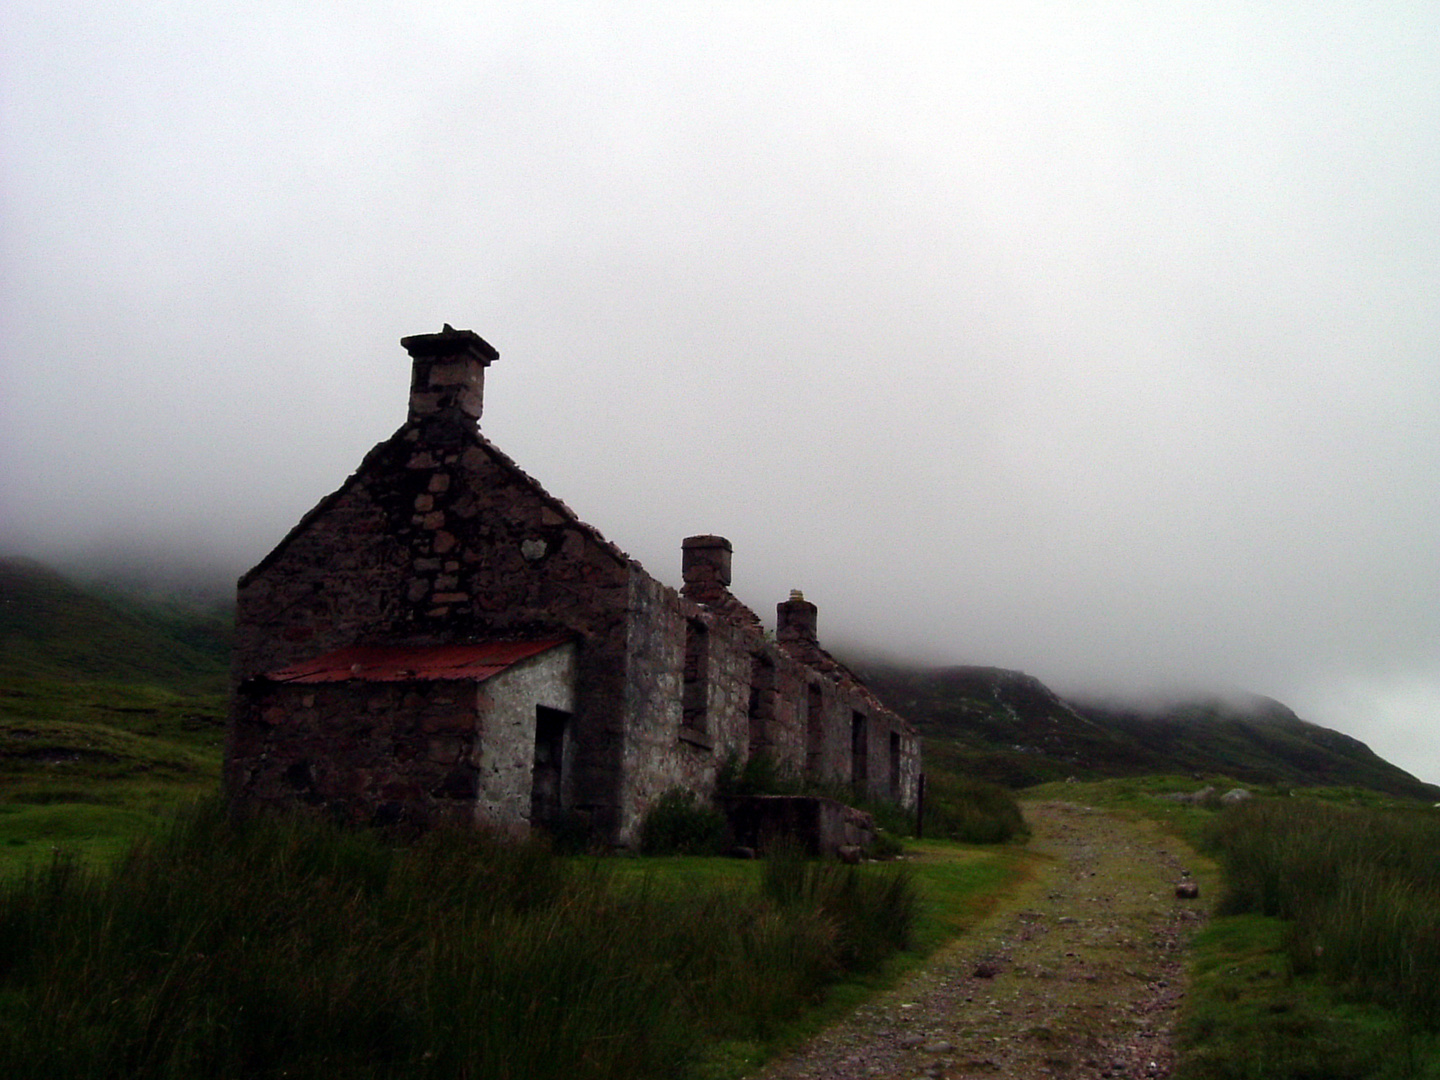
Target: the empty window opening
(859, 752)
(762, 703)
(547, 778)
(814, 732)
(895, 766)
(695, 700)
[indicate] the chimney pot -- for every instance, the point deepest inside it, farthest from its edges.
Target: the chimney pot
(447, 374)
(705, 567)
(795, 619)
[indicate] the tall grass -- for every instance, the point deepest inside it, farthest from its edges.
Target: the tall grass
(1358, 888)
(971, 811)
(870, 915)
(274, 947)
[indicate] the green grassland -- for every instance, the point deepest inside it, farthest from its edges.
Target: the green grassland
(289, 947)
(94, 766)
(112, 725)
(111, 714)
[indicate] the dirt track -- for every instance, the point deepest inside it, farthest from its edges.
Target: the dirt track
(1077, 976)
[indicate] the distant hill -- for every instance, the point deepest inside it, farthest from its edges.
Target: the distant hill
(1009, 727)
(999, 725)
(52, 628)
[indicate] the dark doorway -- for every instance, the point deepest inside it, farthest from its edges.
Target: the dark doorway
(814, 733)
(762, 704)
(548, 777)
(696, 694)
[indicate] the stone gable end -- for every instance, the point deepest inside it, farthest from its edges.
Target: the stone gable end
(439, 539)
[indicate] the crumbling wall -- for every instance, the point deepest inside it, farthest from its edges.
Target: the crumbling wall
(785, 741)
(653, 699)
(506, 748)
(728, 692)
(375, 753)
(446, 542)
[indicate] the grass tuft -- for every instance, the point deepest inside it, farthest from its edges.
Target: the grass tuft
(1359, 890)
(275, 946)
(971, 811)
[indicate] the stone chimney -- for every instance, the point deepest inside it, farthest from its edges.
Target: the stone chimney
(447, 375)
(795, 619)
(705, 566)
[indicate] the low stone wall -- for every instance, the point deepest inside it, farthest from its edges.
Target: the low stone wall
(822, 826)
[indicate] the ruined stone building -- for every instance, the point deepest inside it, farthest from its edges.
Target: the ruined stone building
(441, 640)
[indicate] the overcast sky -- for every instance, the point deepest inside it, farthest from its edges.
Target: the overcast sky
(1098, 340)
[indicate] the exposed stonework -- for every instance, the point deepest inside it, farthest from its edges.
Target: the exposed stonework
(824, 826)
(438, 538)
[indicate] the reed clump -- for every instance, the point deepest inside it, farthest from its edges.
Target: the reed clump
(971, 811)
(275, 947)
(1359, 890)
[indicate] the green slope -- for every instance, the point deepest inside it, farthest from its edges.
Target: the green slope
(112, 709)
(1009, 727)
(52, 628)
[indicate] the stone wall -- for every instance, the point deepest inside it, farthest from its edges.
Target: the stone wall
(442, 543)
(654, 696)
(822, 826)
(424, 752)
(505, 752)
(376, 753)
(440, 538)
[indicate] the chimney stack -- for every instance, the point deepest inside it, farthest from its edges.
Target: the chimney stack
(795, 619)
(705, 567)
(447, 374)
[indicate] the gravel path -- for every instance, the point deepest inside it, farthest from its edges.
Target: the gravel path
(1077, 976)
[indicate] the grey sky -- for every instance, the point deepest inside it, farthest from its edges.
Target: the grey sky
(1097, 340)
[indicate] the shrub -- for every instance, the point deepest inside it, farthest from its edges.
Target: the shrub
(871, 909)
(971, 811)
(887, 846)
(758, 774)
(761, 775)
(679, 824)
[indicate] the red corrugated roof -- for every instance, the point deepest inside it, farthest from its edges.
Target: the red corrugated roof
(401, 663)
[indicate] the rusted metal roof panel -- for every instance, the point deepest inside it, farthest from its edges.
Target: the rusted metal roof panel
(405, 663)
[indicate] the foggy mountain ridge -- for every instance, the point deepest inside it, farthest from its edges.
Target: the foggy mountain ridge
(1009, 727)
(999, 724)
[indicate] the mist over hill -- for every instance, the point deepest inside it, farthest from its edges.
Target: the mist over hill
(129, 632)
(1009, 727)
(173, 630)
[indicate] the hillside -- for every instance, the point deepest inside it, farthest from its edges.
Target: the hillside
(1009, 727)
(53, 628)
(111, 710)
(157, 668)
